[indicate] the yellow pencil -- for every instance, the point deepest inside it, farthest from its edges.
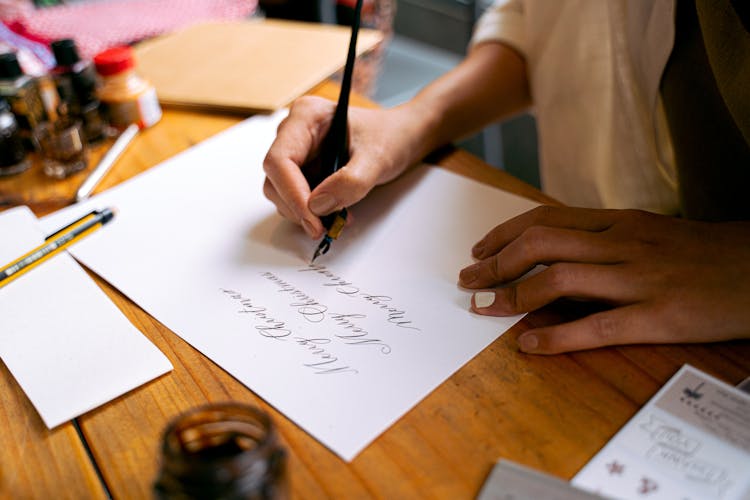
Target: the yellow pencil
(55, 243)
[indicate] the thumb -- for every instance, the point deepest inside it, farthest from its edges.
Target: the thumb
(343, 188)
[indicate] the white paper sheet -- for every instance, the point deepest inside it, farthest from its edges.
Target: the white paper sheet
(65, 343)
(690, 441)
(343, 349)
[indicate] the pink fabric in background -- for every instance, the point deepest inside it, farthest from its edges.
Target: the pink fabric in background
(98, 25)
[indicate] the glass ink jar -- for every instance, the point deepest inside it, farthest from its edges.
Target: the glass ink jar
(223, 450)
(75, 81)
(23, 95)
(62, 147)
(13, 158)
(126, 97)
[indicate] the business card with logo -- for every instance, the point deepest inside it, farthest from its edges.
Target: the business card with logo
(690, 441)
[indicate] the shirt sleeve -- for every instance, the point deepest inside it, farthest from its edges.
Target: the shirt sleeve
(502, 22)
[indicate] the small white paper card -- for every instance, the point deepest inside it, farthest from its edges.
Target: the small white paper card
(66, 344)
(691, 441)
(343, 347)
(511, 481)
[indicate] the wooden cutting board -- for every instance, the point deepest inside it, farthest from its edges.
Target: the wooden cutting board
(258, 65)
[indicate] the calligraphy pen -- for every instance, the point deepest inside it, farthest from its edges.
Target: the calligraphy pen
(335, 148)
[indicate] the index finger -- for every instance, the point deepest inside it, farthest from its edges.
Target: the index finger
(584, 219)
(298, 139)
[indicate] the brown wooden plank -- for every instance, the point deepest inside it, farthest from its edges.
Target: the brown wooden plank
(36, 462)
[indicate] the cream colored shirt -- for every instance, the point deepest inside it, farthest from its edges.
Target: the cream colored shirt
(594, 69)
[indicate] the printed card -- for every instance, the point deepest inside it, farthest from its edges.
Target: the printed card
(691, 441)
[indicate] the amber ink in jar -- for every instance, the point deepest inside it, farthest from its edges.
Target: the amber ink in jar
(126, 97)
(223, 450)
(13, 158)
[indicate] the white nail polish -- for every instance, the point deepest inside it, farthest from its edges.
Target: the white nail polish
(484, 299)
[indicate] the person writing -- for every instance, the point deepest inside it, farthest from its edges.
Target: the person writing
(644, 126)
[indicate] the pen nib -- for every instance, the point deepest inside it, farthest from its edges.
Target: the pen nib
(323, 247)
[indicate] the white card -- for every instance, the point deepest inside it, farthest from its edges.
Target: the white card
(344, 348)
(66, 344)
(512, 481)
(691, 441)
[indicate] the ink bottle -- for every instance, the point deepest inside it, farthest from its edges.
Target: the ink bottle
(126, 97)
(223, 450)
(75, 81)
(23, 95)
(62, 147)
(13, 158)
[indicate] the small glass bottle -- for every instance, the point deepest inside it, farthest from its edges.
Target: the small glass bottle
(13, 158)
(62, 147)
(22, 93)
(223, 450)
(126, 97)
(75, 80)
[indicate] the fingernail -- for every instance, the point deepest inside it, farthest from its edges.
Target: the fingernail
(308, 227)
(469, 275)
(322, 204)
(528, 342)
(478, 249)
(484, 299)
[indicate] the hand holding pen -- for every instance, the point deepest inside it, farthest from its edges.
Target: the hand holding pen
(333, 151)
(381, 145)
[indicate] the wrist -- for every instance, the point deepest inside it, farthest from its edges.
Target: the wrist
(422, 123)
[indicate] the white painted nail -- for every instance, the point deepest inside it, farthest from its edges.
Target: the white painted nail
(484, 299)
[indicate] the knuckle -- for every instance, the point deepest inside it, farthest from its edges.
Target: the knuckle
(634, 220)
(301, 104)
(311, 107)
(270, 161)
(559, 277)
(514, 301)
(494, 270)
(542, 213)
(268, 190)
(354, 182)
(282, 124)
(604, 328)
(532, 240)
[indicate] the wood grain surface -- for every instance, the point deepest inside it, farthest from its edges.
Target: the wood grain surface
(552, 413)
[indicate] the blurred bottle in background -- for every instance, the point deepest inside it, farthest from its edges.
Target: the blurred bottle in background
(75, 81)
(13, 157)
(126, 97)
(23, 94)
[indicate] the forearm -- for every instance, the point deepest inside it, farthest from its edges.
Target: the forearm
(490, 84)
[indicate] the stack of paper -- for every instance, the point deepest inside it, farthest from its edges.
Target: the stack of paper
(65, 343)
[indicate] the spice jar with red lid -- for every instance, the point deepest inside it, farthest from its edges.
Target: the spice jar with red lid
(126, 96)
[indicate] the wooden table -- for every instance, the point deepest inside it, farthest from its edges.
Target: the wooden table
(552, 413)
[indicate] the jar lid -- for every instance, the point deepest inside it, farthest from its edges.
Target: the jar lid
(65, 52)
(9, 67)
(114, 60)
